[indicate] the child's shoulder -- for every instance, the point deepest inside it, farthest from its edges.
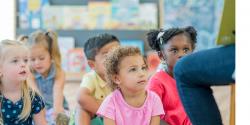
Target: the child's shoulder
(152, 95)
(116, 96)
(35, 95)
(37, 101)
(161, 73)
(161, 76)
(113, 95)
(92, 75)
(90, 79)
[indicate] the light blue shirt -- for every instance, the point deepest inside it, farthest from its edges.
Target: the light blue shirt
(45, 86)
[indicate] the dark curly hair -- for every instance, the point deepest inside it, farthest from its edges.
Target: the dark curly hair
(94, 44)
(114, 59)
(154, 42)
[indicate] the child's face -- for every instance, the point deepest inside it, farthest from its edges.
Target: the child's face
(14, 67)
(133, 74)
(101, 56)
(177, 47)
(40, 59)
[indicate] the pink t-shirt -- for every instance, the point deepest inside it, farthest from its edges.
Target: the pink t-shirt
(165, 86)
(115, 108)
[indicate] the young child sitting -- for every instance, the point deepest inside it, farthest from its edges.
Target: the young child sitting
(171, 45)
(47, 75)
(19, 104)
(93, 88)
(129, 103)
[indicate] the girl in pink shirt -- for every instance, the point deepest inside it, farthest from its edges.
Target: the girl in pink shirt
(129, 103)
(171, 45)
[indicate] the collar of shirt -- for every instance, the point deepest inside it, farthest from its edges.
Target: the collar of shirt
(51, 74)
(100, 81)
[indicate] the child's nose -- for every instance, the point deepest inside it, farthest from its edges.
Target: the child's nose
(23, 63)
(181, 54)
(142, 73)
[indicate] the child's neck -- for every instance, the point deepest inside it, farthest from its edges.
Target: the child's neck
(169, 70)
(45, 74)
(170, 73)
(136, 99)
(11, 91)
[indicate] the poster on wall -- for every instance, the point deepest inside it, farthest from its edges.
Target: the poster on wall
(135, 43)
(99, 15)
(30, 13)
(53, 17)
(65, 45)
(148, 16)
(203, 15)
(96, 14)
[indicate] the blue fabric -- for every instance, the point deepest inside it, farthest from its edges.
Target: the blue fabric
(10, 110)
(196, 73)
(45, 86)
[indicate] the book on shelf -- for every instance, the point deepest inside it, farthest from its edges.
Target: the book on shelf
(148, 16)
(30, 13)
(99, 14)
(135, 43)
(77, 61)
(125, 17)
(53, 17)
(65, 45)
(75, 17)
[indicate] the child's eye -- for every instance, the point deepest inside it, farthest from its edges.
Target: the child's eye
(15, 61)
(144, 68)
(41, 58)
(32, 59)
(174, 50)
(186, 50)
(132, 69)
(26, 60)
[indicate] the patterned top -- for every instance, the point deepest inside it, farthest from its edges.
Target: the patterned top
(45, 86)
(10, 110)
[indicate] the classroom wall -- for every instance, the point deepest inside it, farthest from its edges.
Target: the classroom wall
(7, 23)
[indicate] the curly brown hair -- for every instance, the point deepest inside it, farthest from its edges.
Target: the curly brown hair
(113, 61)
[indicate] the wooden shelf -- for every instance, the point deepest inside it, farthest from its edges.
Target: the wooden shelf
(81, 36)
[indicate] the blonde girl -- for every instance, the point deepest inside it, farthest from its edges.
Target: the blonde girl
(19, 104)
(129, 103)
(48, 76)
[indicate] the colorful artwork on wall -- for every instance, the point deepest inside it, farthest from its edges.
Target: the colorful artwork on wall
(202, 14)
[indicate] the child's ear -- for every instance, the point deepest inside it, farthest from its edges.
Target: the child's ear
(116, 79)
(1, 74)
(91, 64)
(160, 54)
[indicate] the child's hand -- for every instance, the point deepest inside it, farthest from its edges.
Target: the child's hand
(57, 111)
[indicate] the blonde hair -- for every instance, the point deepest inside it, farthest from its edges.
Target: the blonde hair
(48, 40)
(27, 92)
(113, 61)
